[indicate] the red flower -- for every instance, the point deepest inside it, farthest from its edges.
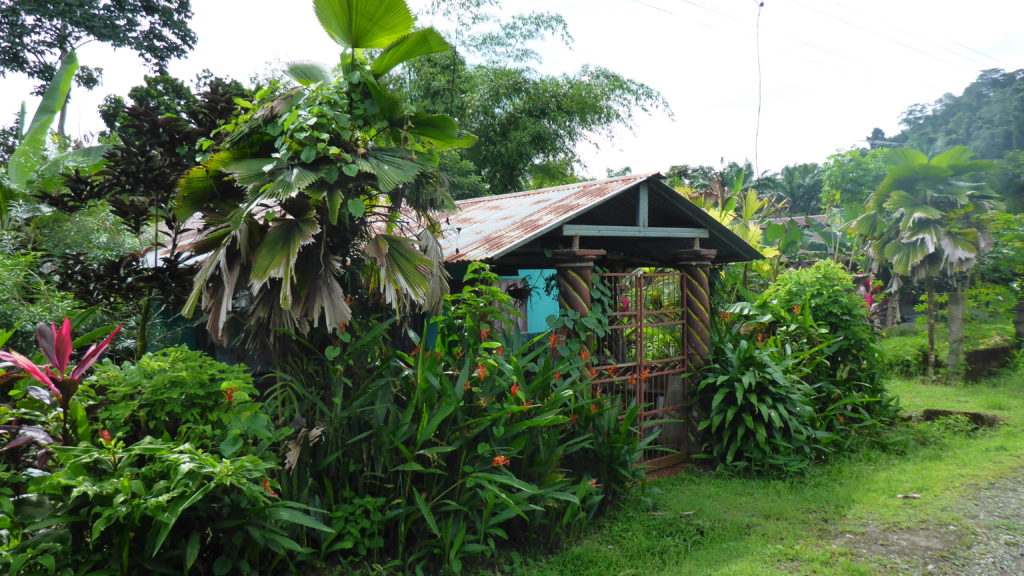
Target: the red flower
(624, 303)
(500, 461)
(500, 350)
(643, 375)
(481, 371)
(515, 389)
(553, 339)
(593, 373)
(612, 370)
(841, 419)
(594, 483)
(572, 419)
(760, 337)
(594, 408)
(229, 394)
(796, 309)
(485, 333)
(528, 405)
(584, 355)
(105, 435)
(558, 376)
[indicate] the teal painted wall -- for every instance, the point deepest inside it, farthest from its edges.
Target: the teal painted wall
(541, 305)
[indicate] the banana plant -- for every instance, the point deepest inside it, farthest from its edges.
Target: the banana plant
(324, 186)
(29, 165)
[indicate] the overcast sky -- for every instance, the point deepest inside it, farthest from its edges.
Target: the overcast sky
(830, 70)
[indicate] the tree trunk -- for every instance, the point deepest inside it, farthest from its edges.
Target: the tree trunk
(956, 311)
(931, 331)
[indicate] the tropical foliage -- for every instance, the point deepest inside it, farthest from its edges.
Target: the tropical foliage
(324, 187)
(924, 222)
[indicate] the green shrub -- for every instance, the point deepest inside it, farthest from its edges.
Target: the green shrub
(29, 297)
(849, 374)
(457, 445)
(183, 395)
(758, 411)
(154, 507)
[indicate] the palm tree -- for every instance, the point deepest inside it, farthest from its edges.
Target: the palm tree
(324, 188)
(923, 221)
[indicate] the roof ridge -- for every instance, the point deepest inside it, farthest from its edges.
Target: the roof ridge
(522, 193)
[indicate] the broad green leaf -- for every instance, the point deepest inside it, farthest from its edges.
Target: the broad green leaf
(25, 158)
(276, 255)
(356, 207)
(364, 23)
(308, 73)
(419, 43)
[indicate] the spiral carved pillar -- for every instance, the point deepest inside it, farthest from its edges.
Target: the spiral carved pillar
(575, 277)
(695, 266)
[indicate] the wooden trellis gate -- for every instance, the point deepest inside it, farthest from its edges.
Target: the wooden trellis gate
(644, 357)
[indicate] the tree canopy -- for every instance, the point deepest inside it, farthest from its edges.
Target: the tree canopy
(36, 34)
(528, 124)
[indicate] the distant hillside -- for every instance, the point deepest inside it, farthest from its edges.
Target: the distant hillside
(987, 118)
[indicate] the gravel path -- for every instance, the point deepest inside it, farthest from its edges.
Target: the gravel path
(988, 542)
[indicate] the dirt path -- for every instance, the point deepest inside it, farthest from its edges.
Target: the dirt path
(989, 541)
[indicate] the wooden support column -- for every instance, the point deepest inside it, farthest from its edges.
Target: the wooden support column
(695, 265)
(575, 276)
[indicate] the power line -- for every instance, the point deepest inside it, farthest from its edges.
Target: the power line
(757, 129)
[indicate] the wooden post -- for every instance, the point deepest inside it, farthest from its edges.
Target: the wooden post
(695, 265)
(575, 276)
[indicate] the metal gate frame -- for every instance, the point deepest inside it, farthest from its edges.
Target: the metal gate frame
(644, 357)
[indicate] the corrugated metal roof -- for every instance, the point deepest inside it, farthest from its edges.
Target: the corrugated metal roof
(490, 227)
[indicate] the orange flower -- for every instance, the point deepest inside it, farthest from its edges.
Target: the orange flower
(612, 370)
(594, 483)
(796, 309)
(572, 419)
(515, 389)
(268, 489)
(229, 394)
(558, 376)
(584, 355)
(500, 461)
(467, 386)
(481, 371)
(760, 337)
(485, 333)
(594, 408)
(553, 340)
(841, 419)
(632, 380)
(644, 374)
(593, 373)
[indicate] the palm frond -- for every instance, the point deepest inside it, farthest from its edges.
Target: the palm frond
(362, 23)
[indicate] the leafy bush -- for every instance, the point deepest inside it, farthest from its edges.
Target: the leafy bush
(154, 507)
(458, 445)
(758, 411)
(184, 395)
(29, 297)
(849, 374)
(75, 499)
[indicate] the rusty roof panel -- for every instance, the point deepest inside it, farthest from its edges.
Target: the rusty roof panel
(490, 227)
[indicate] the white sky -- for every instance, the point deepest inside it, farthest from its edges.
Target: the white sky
(831, 70)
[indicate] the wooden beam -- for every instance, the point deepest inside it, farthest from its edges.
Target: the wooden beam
(633, 231)
(642, 213)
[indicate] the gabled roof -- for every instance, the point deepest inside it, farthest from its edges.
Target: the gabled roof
(518, 229)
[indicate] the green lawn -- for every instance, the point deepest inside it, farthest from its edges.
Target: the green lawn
(699, 523)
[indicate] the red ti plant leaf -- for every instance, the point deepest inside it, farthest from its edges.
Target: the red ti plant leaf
(32, 370)
(92, 355)
(56, 345)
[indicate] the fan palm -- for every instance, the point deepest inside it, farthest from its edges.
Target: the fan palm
(324, 187)
(923, 221)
